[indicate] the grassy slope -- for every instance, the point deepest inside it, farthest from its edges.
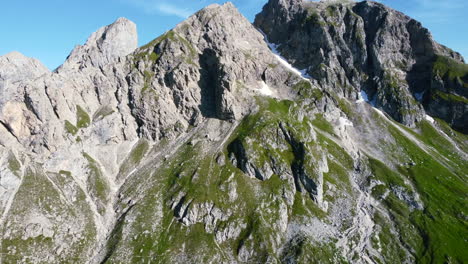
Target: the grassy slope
(40, 196)
(437, 233)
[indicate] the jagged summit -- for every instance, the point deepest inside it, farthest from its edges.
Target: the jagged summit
(365, 46)
(104, 46)
(14, 66)
(14, 55)
(226, 142)
(214, 63)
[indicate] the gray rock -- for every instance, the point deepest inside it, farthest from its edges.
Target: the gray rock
(204, 146)
(105, 46)
(15, 67)
(351, 47)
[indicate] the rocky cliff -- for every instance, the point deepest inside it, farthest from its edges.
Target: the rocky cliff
(351, 47)
(325, 132)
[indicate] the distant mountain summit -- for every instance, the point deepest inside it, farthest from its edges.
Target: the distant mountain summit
(104, 46)
(325, 132)
(351, 47)
(15, 67)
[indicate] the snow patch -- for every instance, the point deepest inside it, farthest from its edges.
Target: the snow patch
(430, 119)
(133, 171)
(265, 89)
(285, 63)
(380, 112)
(274, 48)
(363, 97)
(344, 122)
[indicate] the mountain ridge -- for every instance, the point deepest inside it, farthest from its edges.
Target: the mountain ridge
(205, 145)
(357, 56)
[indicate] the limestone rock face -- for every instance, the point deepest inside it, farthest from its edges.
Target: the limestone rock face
(351, 47)
(72, 123)
(104, 46)
(209, 66)
(15, 67)
(226, 142)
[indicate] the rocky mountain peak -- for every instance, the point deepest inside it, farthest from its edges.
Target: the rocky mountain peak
(367, 47)
(14, 67)
(213, 64)
(104, 46)
(218, 142)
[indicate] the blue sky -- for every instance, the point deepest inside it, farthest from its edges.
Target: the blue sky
(49, 29)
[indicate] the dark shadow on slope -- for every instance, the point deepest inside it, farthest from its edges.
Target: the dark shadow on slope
(209, 83)
(301, 179)
(293, 249)
(238, 157)
(115, 237)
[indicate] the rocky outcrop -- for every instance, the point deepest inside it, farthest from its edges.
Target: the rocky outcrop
(15, 67)
(209, 66)
(75, 126)
(447, 97)
(105, 46)
(208, 146)
(351, 47)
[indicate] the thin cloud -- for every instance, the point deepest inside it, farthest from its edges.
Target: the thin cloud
(160, 6)
(172, 10)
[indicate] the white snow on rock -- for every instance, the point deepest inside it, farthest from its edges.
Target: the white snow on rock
(342, 122)
(133, 171)
(265, 89)
(430, 119)
(283, 61)
(363, 97)
(380, 112)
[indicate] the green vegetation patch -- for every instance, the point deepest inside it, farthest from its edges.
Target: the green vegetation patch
(102, 112)
(82, 121)
(13, 164)
(65, 173)
(445, 66)
(304, 89)
(70, 128)
(304, 206)
(442, 223)
(97, 183)
(40, 195)
(382, 173)
(445, 149)
(331, 11)
(148, 76)
(192, 50)
(82, 118)
(459, 138)
(384, 239)
(148, 51)
(392, 83)
(339, 176)
(134, 158)
(154, 56)
(321, 123)
(315, 19)
(168, 35)
(450, 97)
(305, 250)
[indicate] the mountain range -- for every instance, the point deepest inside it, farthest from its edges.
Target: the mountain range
(324, 132)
